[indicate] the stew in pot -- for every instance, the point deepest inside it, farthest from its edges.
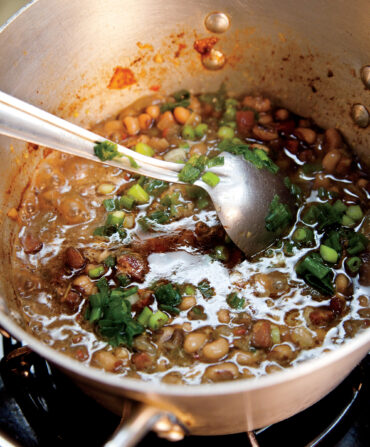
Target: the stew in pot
(138, 277)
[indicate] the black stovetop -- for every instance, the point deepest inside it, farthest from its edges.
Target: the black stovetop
(40, 407)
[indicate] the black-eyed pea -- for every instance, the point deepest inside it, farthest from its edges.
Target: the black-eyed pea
(215, 350)
(330, 161)
(132, 125)
(84, 283)
(264, 134)
(181, 114)
(165, 120)
(153, 111)
(173, 378)
(145, 121)
(282, 114)
(223, 316)
(306, 134)
(303, 337)
(188, 302)
(341, 283)
(270, 369)
(333, 139)
(194, 341)
(282, 354)
(247, 358)
(105, 360)
(221, 372)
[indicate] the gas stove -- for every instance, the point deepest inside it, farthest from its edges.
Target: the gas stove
(40, 407)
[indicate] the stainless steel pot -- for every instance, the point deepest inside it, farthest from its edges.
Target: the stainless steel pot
(310, 56)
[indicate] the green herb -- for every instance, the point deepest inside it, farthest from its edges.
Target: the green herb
(324, 214)
(161, 217)
(106, 150)
(357, 242)
(205, 289)
(234, 301)
(215, 161)
(316, 274)
(217, 99)
(257, 157)
(110, 261)
(155, 187)
(168, 297)
(172, 105)
(193, 169)
(182, 94)
(279, 215)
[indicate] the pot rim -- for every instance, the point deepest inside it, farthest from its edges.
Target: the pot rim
(142, 386)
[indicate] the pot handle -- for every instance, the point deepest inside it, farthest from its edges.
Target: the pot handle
(143, 419)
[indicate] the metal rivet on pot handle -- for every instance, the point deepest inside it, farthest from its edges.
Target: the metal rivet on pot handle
(360, 115)
(217, 22)
(365, 75)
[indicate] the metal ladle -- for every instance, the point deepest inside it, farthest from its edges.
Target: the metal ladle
(241, 198)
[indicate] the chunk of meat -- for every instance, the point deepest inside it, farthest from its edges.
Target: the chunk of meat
(31, 244)
(166, 243)
(261, 334)
(337, 304)
(209, 235)
(365, 269)
(134, 265)
(74, 259)
(245, 121)
(142, 361)
(321, 317)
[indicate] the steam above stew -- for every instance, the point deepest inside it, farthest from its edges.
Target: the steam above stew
(138, 277)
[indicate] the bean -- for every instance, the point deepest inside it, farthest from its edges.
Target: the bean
(188, 302)
(158, 144)
(105, 360)
(181, 114)
(166, 120)
(84, 283)
(173, 378)
(257, 103)
(247, 358)
(223, 316)
(261, 334)
(132, 125)
(270, 369)
(341, 283)
(176, 155)
(333, 139)
(331, 160)
(153, 111)
(321, 181)
(303, 337)
(282, 354)
(73, 258)
(31, 244)
(265, 118)
(306, 134)
(122, 354)
(215, 350)
(194, 341)
(321, 317)
(223, 371)
(264, 134)
(145, 121)
(282, 114)
(142, 361)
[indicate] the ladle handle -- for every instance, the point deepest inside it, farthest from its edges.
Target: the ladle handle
(24, 121)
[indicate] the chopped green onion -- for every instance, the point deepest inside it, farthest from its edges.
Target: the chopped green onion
(210, 178)
(123, 280)
(144, 149)
(115, 218)
(144, 316)
(96, 272)
(157, 320)
(105, 188)
(302, 235)
(109, 204)
(138, 193)
(225, 132)
(202, 203)
(126, 202)
(189, 290)
(275, 335)
(215, 161)
(339, 206)
(200, 130)
(188, 133)
(221, 253)
(354, 212)
(348, 221)
(354, 264)
(279, 215)
(130, 291)
(328, 254)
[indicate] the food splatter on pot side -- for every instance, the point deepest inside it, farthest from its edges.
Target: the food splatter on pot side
(137, 276)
